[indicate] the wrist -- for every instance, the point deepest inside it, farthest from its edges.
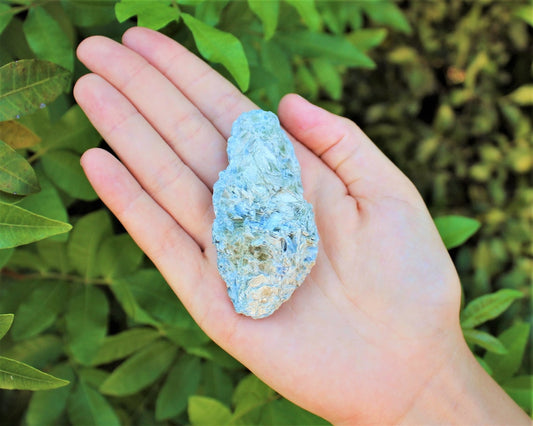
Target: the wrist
(461, 392)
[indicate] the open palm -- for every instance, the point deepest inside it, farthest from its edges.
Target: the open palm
(383, 294)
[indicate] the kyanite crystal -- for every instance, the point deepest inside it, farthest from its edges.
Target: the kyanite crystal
(264, 230)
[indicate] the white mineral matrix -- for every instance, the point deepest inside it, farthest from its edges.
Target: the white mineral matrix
(264, 230)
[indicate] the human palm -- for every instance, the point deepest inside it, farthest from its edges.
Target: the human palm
(383, 294)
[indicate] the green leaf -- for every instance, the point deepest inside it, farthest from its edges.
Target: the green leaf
(47, 39)
(54, 255)
(515, 340)
(89, 13)
(86, 321)
(283, 412)
(249, 397)
(47, 203)
(19, 226)
(523, 95)
(118, 256)
(64, 170)
(126, 299)
(17, 375)
(38, 351)
(215, 353)
(328, 77)
(150, 14)
(484, 340)
(275, 60)
(216, 383)
(154, 296)
(140, 370)
(521, 390)
(5, 323)
(85, 241)
(182, 381)
(28, 84)
(16, 175)
(317, 45)
(73, 132)
(204, 411)
(306, 81)
(124, 344)
(16, 135)
(6, 13)
(40, 309)
(525, 13)
(185, 336)
(386, 13)
(455, 230)
(487, 307)
(306, 9)
(88, 408)
(5, 256)
(46, 407)
(368, 38)
(268, 13)
(220, 47)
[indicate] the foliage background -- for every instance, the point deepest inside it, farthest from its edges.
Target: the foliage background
(443, 87)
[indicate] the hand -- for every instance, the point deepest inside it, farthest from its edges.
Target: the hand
(373, 329)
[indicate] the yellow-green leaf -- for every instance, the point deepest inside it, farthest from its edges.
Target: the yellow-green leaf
(19, 226)
(268, 14)
(220, 47)
(5, 323)
(16, 175)
(29, 84)
(17, 375)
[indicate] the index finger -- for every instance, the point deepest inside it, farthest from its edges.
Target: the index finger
(219, 100)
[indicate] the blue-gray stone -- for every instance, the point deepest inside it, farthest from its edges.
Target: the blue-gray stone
(264, 230)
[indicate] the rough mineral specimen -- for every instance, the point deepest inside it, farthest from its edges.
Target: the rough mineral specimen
(264, 230)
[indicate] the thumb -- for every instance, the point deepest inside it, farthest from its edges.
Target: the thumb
(346, 150)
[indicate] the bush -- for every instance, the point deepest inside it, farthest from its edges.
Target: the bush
(91, 309)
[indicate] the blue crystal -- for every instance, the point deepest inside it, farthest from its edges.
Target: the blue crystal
(264, 230)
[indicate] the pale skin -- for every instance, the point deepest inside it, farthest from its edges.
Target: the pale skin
(372, 336)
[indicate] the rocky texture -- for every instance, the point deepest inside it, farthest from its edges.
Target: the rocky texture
(264, 230)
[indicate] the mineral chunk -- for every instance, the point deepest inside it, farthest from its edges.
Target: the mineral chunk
(264, 230)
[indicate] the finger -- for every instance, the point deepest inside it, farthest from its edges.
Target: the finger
(157, 168)
(175, 118)
(213, 95)
(364, 169)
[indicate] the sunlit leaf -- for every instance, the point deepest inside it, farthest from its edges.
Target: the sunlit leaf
(268, 14)
(307, 10)
(368, 38)
(17, 375)
(484, 340)
(487, 307)
(515, 340)
(19, 226)
(328, 77)
(16, 175)
(204, 411)
(523, 95)
(386, 13)
(30, 84)
(220, 47)
(455, 230)
(150, 14)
